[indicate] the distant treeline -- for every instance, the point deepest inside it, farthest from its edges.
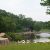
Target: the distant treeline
(19, 23)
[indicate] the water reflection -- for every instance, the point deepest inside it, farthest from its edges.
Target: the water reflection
(43, 37)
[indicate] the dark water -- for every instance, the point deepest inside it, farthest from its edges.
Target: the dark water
(44, 37)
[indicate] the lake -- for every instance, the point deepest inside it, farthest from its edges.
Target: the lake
(43, 37)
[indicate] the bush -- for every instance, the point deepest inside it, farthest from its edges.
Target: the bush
(14, 36)
(37, 37)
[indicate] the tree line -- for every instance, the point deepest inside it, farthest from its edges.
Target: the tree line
(19, 23)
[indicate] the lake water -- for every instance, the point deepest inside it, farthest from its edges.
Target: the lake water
(44, 37)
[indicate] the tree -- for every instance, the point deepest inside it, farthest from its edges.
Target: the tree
(37, 26)
(27, 24)
(48, 24)
(46, 3)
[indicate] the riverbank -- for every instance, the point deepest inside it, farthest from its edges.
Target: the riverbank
(45, 30)
(30, 46)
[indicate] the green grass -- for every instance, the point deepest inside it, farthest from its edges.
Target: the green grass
(44, 30)
(32, 46)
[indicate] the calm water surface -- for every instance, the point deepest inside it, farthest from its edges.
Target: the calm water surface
(44, 37)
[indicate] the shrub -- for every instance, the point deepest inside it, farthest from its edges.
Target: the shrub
(14, 36)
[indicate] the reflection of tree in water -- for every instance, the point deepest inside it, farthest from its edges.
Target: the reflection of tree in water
(29, 36)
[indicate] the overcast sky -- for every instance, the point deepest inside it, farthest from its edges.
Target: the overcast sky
(30, 8)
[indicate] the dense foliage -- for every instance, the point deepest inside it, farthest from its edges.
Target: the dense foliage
(46, 3)
(10, 23)
(18, 23)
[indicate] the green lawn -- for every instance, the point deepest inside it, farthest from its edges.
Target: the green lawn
(32, 46)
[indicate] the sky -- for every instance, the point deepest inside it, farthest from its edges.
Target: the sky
(29, 8)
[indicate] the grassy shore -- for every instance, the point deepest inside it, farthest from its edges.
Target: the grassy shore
(45, 30)
(31, 46)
